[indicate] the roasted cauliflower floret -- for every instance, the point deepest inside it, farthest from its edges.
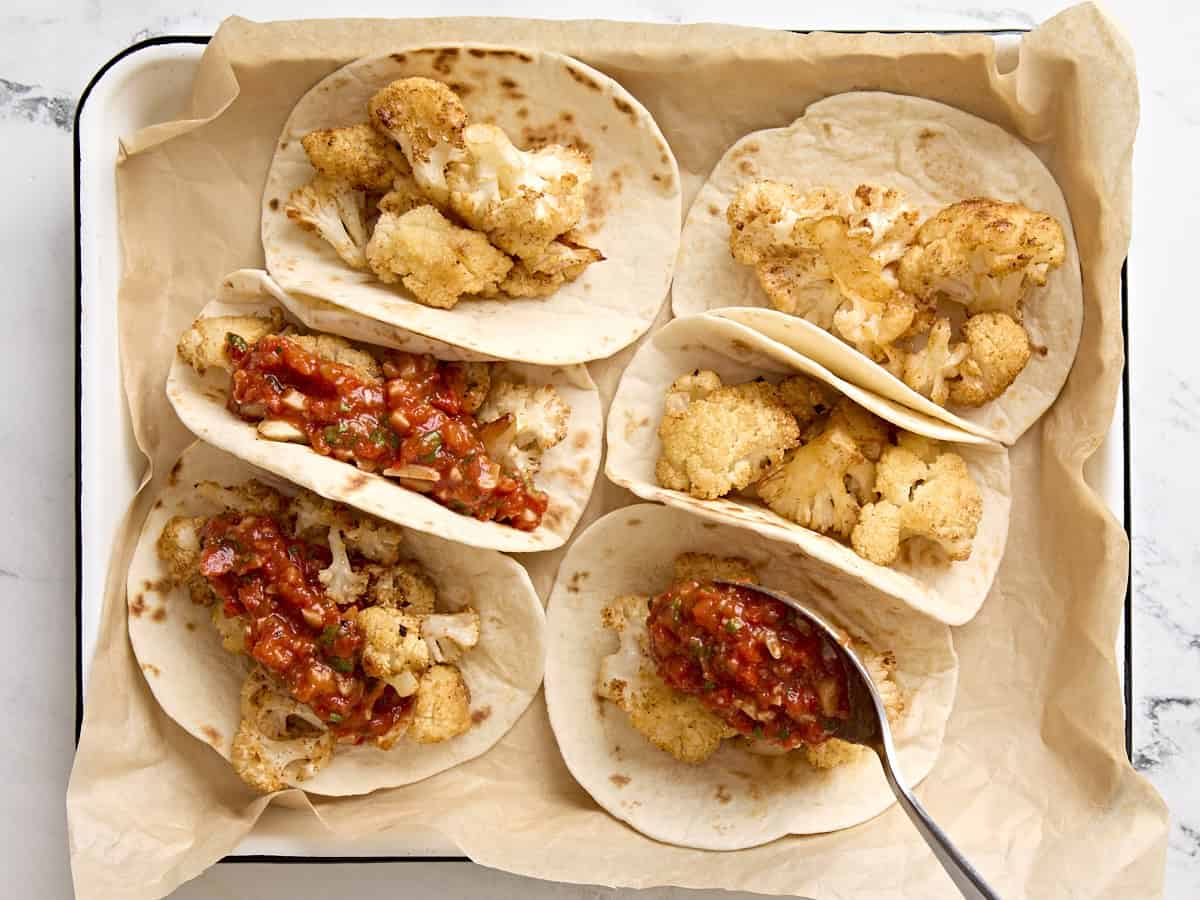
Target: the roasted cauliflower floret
(675, 723)
(342, 583)
(871, 433)
(394, 650)
(725, 440)
(522, 199)
(339, 350)
(403, 586)
(427, 120)
(231, 629)
(997, 352)
(985, 254)
(938, 501)
(449, 635)
(810, 487)
(880, 216)
(876, 537)
(178, 546)
(435, 259)
(203, 345)
(541, 276)
(249, 498)
(477, 383)
(806, 398)
(443, 706)
(335, 211)
(357, 154)
(686, 388)
(525, 421)
(801, 285)
(931, 370)
(770, 219)
(279, 742)
(706, 567)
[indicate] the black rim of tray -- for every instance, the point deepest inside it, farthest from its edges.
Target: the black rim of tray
(262, 858)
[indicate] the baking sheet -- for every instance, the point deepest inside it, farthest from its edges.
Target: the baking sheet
(149, 83)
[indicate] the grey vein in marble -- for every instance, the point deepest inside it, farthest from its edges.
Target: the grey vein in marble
(28, 102)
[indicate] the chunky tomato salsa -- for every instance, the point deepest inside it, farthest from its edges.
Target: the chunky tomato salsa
(410, 425)
(752, 660)
(293, 628)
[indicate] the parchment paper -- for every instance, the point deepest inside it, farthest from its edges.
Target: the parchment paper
(1033, 782)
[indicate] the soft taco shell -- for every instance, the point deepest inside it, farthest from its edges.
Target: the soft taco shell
(950, 593)
(736, 798)
(198, 683)
(633, 218)
(936, 155)
(567, 474)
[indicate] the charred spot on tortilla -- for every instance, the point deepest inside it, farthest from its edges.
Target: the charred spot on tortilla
(159, 614)
(400, 57)
(722, 794)
(461, 88)
(173, 475)
(481, 715)
(151, 669)
(619, 780)
(507, 83)
(191, 626)
(211, 735)
(356, 481)
(747, 167)
(522, 112)
(583, 78)
(274, 204)
(581, 440)
(624, 107)
(633, 522)
(477, 52)
(283, 145)
(1040, 349)
(137, 606)
(158, 503)
(443, 63)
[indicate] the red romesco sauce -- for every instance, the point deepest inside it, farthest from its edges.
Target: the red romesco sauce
(742, 653)
(410, 425)
(293, 628)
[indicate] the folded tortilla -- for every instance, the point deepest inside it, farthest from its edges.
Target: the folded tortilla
(949, 592)
(634, 209)
(567, 475)
(936, 155)
(198, 683)
(736, 798)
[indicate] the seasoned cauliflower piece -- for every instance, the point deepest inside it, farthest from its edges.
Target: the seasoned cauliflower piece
(522, 199)
(394, 650)
(931, 370)
(178, 546)
(686, 388)
(802, 285)
(449, 634)
(675, 723)
(871, 433)
(427, 120)
(706, 567)
(435, 259)
(203, 345)
(279, 742)
(938, 501)
(725, 440)
(403, 586)
(443, 706)
(403, 195)
(342, 583)
(985, 254)
(231, 629)
(810, 487)
(541, 276)
(880, 216)
(524, 421)
(806, 398)
(250, 498)
(997, 352)
(313, 516)
(876, 537)
(335, 211)
(357, 154)
(770, 219)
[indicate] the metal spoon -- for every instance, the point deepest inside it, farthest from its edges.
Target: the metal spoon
(868, 725)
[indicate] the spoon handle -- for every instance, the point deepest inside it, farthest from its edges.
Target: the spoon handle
(968, 881)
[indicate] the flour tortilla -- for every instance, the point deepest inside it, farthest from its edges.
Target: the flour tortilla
(567, 474)
(634, 211)
(936, 155)
(736, 798)
(951, 593)
(198, 683)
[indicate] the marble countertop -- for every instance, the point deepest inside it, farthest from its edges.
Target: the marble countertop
(48, 51)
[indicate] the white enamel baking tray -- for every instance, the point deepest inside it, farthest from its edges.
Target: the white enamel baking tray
(148, 83)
